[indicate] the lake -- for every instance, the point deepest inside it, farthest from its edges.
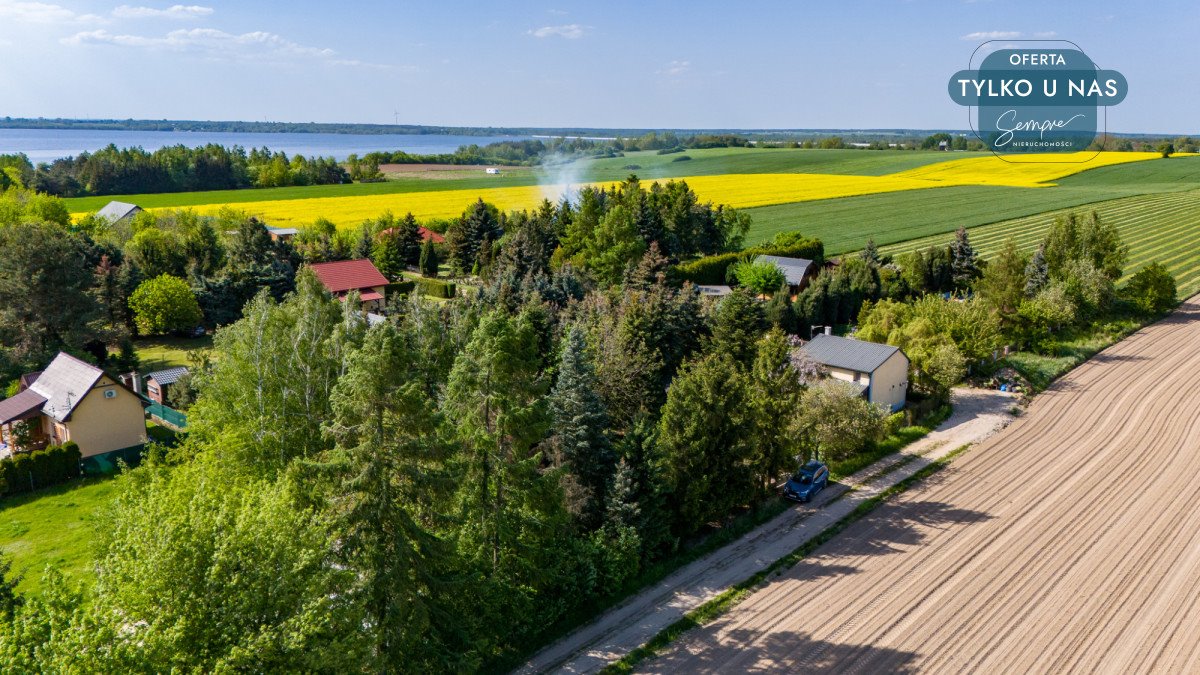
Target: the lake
(44, 145)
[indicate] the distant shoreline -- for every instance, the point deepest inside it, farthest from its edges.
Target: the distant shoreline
(352, 128)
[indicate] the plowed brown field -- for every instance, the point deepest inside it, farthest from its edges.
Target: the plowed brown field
(1068, 543)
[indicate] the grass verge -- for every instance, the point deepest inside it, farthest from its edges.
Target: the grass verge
(714, 608)
(53, 527)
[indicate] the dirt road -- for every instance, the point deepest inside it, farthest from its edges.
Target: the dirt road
(977, 415)
(1068, 543)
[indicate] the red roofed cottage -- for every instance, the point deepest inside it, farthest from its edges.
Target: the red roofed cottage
(344, 276)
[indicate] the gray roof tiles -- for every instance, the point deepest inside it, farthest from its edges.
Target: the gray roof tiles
(793, 269)
(167, 375)
(847, 353)
(64, 383)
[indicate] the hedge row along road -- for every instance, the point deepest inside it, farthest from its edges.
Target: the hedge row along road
(1162, 227)
(1070, 542)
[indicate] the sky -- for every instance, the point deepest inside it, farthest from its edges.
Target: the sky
(615, 64)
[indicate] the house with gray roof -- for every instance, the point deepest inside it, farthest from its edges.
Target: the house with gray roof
(158, 383)
(797, 271)
(115, 212)
(72, 400)
(881, 371)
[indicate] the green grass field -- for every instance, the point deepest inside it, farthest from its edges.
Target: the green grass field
(651, 165)
(53, 527)
(1163, 227)
(167, 352)
(846, 224)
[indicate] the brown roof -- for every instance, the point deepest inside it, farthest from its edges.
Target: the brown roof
(29, 378)
(22, 406)
(346, 275)
(425, 233)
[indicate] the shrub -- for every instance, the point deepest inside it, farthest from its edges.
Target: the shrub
(436, 288)
(164, 304)
(400, 288)
(26, 471)
(682, 158)
(1152, 289)
(714, 269)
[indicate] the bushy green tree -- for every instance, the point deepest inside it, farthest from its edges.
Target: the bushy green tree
(164, 304)
(268, 391)
(760, 277)
(45, 299)
(705, 442)
(1152, 289)
(838, 420)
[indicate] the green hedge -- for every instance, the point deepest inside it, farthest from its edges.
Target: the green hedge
(436, 288)
(400, 288)
(713, 269)
(28, 471)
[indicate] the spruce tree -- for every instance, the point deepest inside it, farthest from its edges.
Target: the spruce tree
(388, 255)
(871, 253)
(1037, 272)
(410, 239)
(392, 479)
(964, 262)
(429, 259)
(581, 423)
(737, 325)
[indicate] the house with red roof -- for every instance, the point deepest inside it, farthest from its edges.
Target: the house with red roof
(343, 276)
(71, 400)
(426, 234)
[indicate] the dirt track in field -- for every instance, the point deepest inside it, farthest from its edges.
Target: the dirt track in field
(1068, 543)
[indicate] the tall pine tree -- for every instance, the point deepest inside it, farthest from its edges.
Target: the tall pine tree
(580, 424)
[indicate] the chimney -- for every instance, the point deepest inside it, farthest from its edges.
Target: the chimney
(829, 330)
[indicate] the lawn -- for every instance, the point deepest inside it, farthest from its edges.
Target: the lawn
(846, 224)
(167, 352)
(53, 527)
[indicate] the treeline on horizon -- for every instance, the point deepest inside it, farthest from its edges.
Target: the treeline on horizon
(179, 168)
(176, 168)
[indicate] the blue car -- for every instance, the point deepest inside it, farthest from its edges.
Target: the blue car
(808, 481)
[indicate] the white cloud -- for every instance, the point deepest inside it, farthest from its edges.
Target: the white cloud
(570, 31)
(993, 35)
(1045, 35)
(40, 12)
(218, 44)
(172, 12)
(675, 68)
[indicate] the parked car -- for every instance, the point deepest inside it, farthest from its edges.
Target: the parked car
(807, 482)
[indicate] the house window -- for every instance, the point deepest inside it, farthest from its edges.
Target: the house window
(110, 393)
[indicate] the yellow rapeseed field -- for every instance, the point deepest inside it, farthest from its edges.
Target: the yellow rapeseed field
(737, 190)
(1035, 170)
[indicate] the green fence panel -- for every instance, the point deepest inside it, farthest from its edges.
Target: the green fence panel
(108, 462)
(170, 416)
